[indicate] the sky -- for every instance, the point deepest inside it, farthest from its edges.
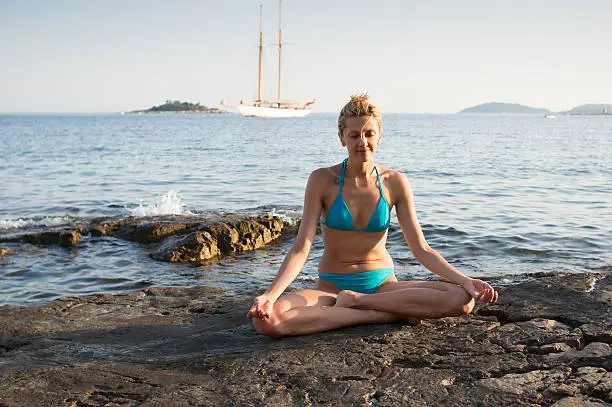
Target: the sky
(410, 56)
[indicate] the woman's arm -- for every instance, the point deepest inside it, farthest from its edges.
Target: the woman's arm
(428, 257)
(295, 259)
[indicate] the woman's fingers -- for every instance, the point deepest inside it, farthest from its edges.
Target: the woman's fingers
(269, 307)
(255, 311)
(486, 295)
(260, 310)
(482, 291)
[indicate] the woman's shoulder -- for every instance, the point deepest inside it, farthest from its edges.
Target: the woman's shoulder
(395, 181)
(326, 173)
(391, 175)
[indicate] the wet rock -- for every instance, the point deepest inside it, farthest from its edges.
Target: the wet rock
(5, 251)
(144, 230)
(63, 237)
(42, 238)
(171, 238)
(222, 238)
(69, 238)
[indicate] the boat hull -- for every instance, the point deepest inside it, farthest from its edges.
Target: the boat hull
(258, 111)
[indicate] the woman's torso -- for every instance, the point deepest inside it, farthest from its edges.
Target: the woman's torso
(355, 251)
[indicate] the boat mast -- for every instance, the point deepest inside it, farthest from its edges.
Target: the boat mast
(260, 51)
(280, 45)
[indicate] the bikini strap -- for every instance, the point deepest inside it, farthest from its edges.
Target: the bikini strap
(342, 173)
(379, 181)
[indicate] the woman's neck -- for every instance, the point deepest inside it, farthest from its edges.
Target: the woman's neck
(359, 169)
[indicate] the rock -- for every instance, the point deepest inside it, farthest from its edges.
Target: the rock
(188, 346)
(534, 333)
(202, 245)
(172, 238)
(553, 348)
(579, 401)
(595, 353)
(530, 383)
(69, 238)
(5, 251)
(597, 333)
(63, 237)
(583, 381)
(149, 229)
(603, 389)
(575, 302)
(42, 238)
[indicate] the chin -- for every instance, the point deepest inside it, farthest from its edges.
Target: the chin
(365, 156)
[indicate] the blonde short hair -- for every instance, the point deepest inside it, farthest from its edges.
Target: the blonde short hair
(358, 106)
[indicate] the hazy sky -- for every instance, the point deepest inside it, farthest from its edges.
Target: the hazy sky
(411, 56)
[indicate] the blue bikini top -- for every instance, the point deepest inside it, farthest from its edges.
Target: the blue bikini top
(339, 217)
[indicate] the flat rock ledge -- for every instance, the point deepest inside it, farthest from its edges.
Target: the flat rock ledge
(547, 342)
(184, 239)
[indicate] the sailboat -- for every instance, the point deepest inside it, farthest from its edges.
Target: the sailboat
(272, 108)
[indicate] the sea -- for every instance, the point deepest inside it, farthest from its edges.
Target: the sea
(499, 196)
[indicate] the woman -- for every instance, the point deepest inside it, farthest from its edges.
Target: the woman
(352, 201)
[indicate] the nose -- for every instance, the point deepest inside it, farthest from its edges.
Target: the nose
(364, 140)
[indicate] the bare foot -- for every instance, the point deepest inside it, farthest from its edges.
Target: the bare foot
(347, 299)
(413, 320)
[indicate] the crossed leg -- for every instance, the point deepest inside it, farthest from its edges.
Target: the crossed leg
(412, 299)
(309, 311)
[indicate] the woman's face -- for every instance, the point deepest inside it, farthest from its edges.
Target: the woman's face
(361, 137)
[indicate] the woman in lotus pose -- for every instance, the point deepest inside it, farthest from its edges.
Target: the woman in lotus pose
(352, 201)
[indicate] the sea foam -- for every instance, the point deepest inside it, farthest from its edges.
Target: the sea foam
(169, 204)
(34, 222)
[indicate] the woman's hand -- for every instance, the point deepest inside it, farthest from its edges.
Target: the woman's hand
(262, 307)
(480, 290)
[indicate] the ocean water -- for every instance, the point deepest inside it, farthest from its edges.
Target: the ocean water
(496, 195)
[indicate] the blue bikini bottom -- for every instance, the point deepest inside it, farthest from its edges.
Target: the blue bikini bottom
(365, 282)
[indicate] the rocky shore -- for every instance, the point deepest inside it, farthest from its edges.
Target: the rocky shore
(184, 239)
(547, 342)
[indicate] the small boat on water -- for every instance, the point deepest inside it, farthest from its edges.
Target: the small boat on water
(271, 108)
(550, 116)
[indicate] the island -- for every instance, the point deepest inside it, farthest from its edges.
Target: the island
(176, 106)
(506, 108)
(591, 109)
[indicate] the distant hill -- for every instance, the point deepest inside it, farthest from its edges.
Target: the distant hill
(592, 109)
(176, 106)
(497, 107)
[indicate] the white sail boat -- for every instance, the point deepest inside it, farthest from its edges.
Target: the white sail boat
(272, 108)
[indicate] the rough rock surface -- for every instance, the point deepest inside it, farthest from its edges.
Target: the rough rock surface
(170, 238)
(547, 342)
